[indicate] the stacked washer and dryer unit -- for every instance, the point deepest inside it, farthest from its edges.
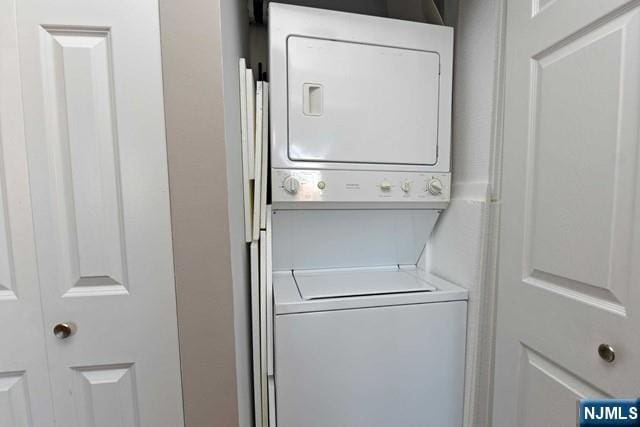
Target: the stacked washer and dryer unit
(360, 172)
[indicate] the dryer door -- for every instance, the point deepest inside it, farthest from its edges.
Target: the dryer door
(360, 103)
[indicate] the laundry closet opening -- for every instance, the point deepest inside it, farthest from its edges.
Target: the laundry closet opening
(362, 216)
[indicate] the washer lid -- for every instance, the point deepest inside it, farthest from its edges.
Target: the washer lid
(318, 284)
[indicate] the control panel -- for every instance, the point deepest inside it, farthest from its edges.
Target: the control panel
(364, 187)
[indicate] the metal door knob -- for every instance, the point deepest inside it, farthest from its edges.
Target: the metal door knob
(606, 353)
(64, 330)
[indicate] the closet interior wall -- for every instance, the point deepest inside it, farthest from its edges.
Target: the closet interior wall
(463, 244)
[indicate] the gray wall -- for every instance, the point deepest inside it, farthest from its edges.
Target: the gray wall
(235, 30)
(206, 260)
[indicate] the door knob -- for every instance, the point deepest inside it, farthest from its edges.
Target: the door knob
(607, 353)
(64, 330)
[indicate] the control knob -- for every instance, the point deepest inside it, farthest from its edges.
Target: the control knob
(385, 185)
(434, 186)
(406, 185)
(291, 184)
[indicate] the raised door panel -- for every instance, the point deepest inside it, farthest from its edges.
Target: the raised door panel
(548, 393)
(106, 396)
(15, 408)
(79, 102)
(7, 286)
(582, 164)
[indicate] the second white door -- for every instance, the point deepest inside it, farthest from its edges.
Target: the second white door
(570, 225)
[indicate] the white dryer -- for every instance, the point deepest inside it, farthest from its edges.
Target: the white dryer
(360, 110)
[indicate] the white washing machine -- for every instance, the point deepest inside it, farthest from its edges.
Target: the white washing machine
(374, 347)
(361, 336)
(360, 157)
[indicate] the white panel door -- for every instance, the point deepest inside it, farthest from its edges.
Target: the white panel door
(25, 398)
(94, 122)
(569, 274)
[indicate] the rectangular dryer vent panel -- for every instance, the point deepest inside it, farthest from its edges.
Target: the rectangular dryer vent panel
(360, 103)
